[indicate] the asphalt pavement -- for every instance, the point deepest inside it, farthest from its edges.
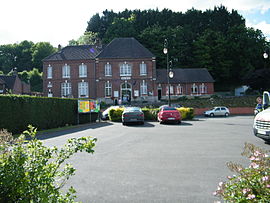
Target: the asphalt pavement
(157, 163)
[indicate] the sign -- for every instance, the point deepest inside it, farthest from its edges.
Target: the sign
(94, 106)
(116, 94)
(125, 78)
(136, 93)
(83, 106)
(86, 106)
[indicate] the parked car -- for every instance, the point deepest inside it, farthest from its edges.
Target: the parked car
(217, 111)
(132, 115)
(261, 125)
(169, 114)
(105, 114)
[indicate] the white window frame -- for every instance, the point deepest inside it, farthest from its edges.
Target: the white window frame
(108, 69)
(66, 71)
(143, 69)
(203, 88)
(49, 72)
(143, 88)
(179, 89)
(108, 89)
(83, 90)
(194, 89)
(66, 89)
(171, 90)
(82, 71)
(125, 69)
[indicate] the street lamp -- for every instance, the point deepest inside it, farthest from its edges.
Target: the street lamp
(170, 73)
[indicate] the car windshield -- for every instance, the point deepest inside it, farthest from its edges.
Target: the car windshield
(133, 109)
(167, 108)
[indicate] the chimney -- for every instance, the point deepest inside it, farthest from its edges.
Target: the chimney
(15, 72)
(59, 47)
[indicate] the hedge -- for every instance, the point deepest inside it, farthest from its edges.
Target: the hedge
(150, 114)
(18, 111)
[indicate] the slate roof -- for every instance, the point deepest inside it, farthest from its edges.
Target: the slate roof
(75, 53)
(9, 80)
(185, 75)
(125, 48)
(2, 81)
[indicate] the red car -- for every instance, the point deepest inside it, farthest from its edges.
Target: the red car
(169, 114)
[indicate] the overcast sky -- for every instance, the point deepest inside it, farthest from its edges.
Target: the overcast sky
(58, 21)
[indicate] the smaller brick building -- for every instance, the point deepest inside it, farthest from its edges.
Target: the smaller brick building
(124, 69)
(13, 84)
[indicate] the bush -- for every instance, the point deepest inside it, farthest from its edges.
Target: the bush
(252, 184)
(32, 172)
(150, 114)
(116, 114)
(17, 111)
(186, 113)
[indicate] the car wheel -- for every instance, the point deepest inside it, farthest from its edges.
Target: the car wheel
(142, 123)
(226, 114)
(123, 123)
(211, 114)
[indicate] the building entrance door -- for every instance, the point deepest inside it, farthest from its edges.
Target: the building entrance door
(159, 94)
(126, 92)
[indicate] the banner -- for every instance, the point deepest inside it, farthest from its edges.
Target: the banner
(86, 106)
(83, 106)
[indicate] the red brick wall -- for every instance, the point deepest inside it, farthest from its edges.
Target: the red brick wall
(74, 79)
(115, 79)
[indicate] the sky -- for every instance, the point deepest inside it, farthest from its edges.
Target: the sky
(58, 21)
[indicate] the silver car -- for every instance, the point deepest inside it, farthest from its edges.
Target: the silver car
(217, 111)
(132, 115)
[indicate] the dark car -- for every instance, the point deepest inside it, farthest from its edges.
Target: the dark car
(169, 114)
(132, 115)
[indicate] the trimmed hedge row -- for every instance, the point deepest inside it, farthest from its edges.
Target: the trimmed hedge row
(18, 111)
(150, 114)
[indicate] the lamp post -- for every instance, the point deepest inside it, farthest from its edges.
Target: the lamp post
(170, 73)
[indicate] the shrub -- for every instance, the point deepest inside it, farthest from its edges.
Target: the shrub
(150, 114)
(252, 184)
(186, 113)
(32, 172)
(116, 114)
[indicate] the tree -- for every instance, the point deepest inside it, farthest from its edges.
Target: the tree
(39, 52)
(121, 27)
(86, 38)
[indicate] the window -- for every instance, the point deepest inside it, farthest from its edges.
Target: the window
(49, 85)
(203, 89)
(108, 69)
(143, 69)
(179, 89)
(125, 69)
(194, 89)
(66, 71)
(49, 72)
(82, 71)
(50, 94)
(143, 88)
(66, 89)
(171, 90)
(108, 89)
(83, 89)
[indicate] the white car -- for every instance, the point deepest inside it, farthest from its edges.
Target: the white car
(217, 111)
(261, 125)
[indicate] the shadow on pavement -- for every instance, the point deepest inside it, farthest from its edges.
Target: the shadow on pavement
(145, 125)
(48, 135)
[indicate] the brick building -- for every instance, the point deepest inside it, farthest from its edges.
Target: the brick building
(124, 69)
(13, 84)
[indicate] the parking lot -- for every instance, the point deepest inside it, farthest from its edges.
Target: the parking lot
(157, 163)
